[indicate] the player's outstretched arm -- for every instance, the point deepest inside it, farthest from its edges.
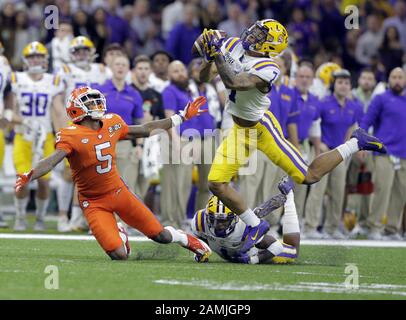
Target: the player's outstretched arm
(42, 168)
(154, 127)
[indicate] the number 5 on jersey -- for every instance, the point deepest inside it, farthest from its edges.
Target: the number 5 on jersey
(106, 160)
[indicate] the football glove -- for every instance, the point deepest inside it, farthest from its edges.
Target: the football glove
(23, 180)
(192, 109)
(211, 45)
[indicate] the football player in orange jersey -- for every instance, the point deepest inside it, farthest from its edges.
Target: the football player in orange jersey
(89, 145)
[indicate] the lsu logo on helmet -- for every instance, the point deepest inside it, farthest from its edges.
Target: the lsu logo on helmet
(267, 37)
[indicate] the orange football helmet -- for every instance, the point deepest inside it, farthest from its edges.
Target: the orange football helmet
(86, 102)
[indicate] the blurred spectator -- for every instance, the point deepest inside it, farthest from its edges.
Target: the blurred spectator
(7, 18)
(159, 76)
(387, 116)
(81, 24)
(302, 31)
(366, 85)
(391, 51)
(112, 51)
(348, 56)
(331, 25)
(99, 30)
(123, 99)
(211, 14)
(152, 99)
(369, 42)
(118, 27)
(59, 47)
(181, 38)
(339, 116)
(398, 21)
(176, 176)
(23, 34)
(141, 21)
(171, 15)
(233, 25)
(377, 68)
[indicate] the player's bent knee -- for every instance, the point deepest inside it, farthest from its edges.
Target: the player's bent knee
(163, 237)
(118, 254)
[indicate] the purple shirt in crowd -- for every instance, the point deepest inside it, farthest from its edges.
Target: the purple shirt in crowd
(282, 106)
(180, 40)
(126, 103)
(176, 100)
(387, 115)
(308, 112)
(119, 29)
(336, 120)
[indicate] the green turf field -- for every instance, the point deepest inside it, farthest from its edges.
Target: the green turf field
(169, 272)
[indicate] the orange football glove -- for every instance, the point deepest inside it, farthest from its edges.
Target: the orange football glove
(192, 109)
(23, 180)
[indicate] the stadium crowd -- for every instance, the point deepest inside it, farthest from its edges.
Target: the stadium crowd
(138, 54)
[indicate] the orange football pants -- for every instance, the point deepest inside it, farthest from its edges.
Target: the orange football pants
(99, 213)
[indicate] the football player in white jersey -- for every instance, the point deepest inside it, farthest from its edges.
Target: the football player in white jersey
(37, 103)
(323, 80)
(80, 72)
(224, 232)
(247, 69)
(4, 75)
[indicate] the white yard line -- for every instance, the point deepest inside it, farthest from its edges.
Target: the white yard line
(324, 287)
(342, 243)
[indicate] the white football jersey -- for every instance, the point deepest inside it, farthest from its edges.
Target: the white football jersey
(34, 98)
(226, 247)
(250, 104)
(74, 77)
(5, 71)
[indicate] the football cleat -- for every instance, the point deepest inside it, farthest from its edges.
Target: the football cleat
(201, 250)
(254, 234)
(286, 185)
(124, 236)
(367, 141)
(39, 225)
(20, 224)
(271, 205)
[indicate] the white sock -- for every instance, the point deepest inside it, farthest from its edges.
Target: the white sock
(347, 149)
(76, 215)
(290, 221)
(21, 206)
(275, 248)
(250, 218)
(177, 236)
(41, 206)
(64, 194)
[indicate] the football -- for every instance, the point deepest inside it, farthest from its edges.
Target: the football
(197, 48)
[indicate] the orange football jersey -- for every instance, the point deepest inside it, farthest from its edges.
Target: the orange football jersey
(92, 155)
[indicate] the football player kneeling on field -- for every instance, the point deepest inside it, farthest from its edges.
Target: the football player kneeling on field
(226, 234)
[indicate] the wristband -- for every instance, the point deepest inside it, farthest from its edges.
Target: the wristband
(176, 120)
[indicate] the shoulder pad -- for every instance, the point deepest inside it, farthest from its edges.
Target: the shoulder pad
(265, 63)
(231, 43)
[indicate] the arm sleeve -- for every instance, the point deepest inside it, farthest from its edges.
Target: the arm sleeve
(373, 112)
(64, 142)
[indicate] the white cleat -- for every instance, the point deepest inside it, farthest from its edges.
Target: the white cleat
(39, 225)
(20, 224)
(63, 224)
